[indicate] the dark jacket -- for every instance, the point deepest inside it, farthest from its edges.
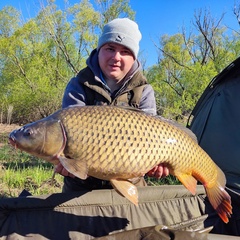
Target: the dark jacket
(87, 88)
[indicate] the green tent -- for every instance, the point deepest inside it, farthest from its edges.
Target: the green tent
(215, 120)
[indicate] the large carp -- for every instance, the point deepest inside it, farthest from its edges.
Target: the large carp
(118, 144)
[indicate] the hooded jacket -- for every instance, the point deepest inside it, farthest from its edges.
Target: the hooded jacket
(89, 88)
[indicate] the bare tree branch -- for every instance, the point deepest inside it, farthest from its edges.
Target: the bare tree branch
(208, 27)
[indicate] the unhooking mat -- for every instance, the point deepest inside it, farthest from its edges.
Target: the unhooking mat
(98, 213)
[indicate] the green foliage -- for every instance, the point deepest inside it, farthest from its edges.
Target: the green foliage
(9, 21)
(85, 24)
(38, 57)
(111, 9)
(169, 180)
(186, 67)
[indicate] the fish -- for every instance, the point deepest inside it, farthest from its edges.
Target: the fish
(118, 144)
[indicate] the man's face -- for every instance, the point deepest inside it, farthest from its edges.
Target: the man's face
(115, 61)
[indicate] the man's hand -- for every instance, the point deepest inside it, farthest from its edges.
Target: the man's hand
(159, 171)
(61, 170)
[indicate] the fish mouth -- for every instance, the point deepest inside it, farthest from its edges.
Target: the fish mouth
(12, 140)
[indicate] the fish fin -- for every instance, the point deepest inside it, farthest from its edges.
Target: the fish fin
(127, 189)
(188, 181)
(129, 108)
(77, 168)
(219, 198)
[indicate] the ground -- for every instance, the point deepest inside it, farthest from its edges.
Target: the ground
(7, 127)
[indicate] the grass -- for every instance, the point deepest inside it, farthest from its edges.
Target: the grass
(169, 180)
(20, 171)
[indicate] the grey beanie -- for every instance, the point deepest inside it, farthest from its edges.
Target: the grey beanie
(122, 31)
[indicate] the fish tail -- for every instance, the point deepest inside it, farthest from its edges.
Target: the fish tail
(219, 198)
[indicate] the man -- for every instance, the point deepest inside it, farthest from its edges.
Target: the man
(112, 77)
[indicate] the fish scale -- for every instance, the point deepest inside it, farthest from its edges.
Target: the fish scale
(129, 124)
(117, 144)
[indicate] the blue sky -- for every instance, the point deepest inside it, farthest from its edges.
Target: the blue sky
(154, 17)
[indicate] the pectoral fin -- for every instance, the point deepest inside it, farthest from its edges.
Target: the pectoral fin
(188, 181)
(127, 189)
(76, 167)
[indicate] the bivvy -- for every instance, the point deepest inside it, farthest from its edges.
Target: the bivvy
(215, 120)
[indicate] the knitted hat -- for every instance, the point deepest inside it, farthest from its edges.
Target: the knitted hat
(122, 31)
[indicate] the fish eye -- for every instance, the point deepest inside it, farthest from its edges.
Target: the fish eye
(27, 132)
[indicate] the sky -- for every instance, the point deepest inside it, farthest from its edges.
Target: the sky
(154, 17)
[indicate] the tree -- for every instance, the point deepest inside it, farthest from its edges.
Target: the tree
(38, 57)
(73, 31)
(111, 9)
(188, 62)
